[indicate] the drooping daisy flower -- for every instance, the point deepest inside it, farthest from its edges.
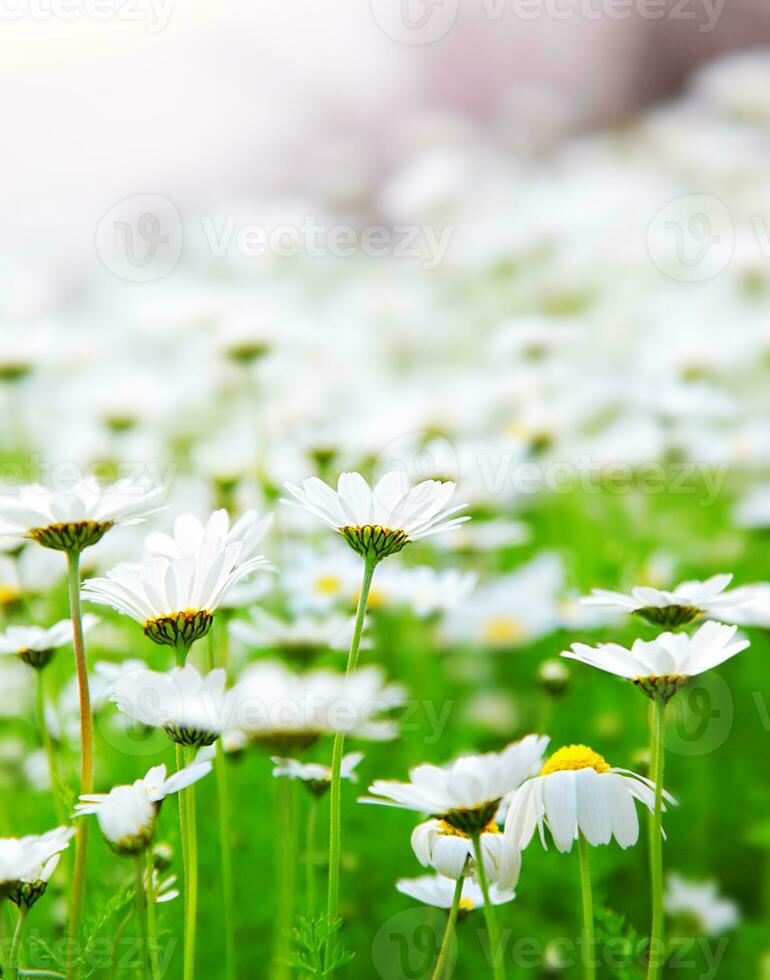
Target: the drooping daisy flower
(36, 645)
(661, 607)
(378, 521)
(700, 904)
(467, 792)
(191, 709)
(175, 598)
(660, 667)
(315, 776)
(22, 859)
(33, 885)
(576, 792)
(75, 519)
(438, 891)
(285, 711)
(127, 815)
(437, 844)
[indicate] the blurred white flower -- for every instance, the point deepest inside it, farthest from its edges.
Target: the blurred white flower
(700, 903)
(36, 645)
(439, 891)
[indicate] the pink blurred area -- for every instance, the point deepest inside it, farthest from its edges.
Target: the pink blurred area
(241, 98)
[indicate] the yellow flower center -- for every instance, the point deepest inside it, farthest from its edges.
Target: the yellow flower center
(449, 831)
(502, 629)
(466, 905)
(8, 595)
(574, 757)
(328, 585)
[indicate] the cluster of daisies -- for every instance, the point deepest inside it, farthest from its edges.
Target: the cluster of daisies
(482, 810)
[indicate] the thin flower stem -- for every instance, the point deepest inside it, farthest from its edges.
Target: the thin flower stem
(50, 751)
(446, 942)
(335, 795)
(141, 914)
(493, 930)
(191, 907)
(588, 942)
(225, 847)
(86, 757)
(182, 801)
(310, 826)
(656, 953)
(116, 944)
(152, 919)
(285, 840)
(13, 956)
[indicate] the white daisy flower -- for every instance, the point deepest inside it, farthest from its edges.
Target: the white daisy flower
(190, 708)
(191, 536)
(660, 667)
(752, 606)
(467, 792)
(701, 904)
(175, 598)
(26, 861)
(578, 792)
(303, 637)
(315, 775)
(675, 607)
(437, 844)
(127, 814)
(75, 519)
(438, 891)
(36, 645)
(285, 711)
(378, 521)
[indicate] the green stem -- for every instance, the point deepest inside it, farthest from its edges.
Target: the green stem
(152, 919)
(446, 942)
(183, 820)
(191, 906)
(13, 956)
(335, 795)
(588, 942)
(225, 846)
(141, 914)
(285, 839)
(310, 827)
(116, 945)
(86, 758)
(50, 751)
(656, 954)
(493, 929)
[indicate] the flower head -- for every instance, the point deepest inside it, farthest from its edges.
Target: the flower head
(467, 792)
(314, 775)
(662, 666)
(36, 645)
(438, 891)
(450, 851)
(672, 608)
(127, 815)
(175, 597)
(701, 904)
(26, 863)
(75, 519)
(286, 711)
(191, 709)
(576, 792)
(378, 521)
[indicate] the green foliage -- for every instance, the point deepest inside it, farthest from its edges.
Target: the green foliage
(310, 936)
